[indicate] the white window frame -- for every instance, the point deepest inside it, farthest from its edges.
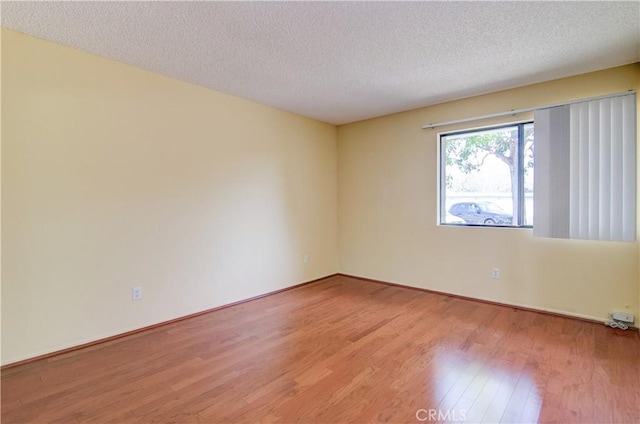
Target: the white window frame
(441, 213)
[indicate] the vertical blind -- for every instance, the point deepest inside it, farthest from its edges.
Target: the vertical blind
(585, 170)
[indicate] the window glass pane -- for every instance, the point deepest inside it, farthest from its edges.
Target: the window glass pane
(528, 174)
(480, 183)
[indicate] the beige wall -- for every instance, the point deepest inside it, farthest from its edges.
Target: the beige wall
(387, 214)
(114, 177)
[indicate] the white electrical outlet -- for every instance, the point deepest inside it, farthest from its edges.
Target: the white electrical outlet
(495, 273)
(305, 258)
(136, 293)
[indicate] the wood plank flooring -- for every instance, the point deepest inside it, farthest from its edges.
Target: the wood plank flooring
(342, 350)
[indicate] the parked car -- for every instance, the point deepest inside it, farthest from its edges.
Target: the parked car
(450, 219)
(485, 213)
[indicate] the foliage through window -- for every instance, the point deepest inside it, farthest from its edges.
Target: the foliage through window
(487, 176)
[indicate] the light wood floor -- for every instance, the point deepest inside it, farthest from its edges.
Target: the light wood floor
(342, 350)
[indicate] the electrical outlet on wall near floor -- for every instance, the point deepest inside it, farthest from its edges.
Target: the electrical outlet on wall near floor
(305, 258)
(495, 273)
(136, 293)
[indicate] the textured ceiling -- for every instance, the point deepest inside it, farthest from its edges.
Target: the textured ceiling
(341, 62)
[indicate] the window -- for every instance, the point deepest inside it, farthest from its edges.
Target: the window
(486, 176)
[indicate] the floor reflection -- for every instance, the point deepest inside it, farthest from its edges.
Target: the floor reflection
(473, 390)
